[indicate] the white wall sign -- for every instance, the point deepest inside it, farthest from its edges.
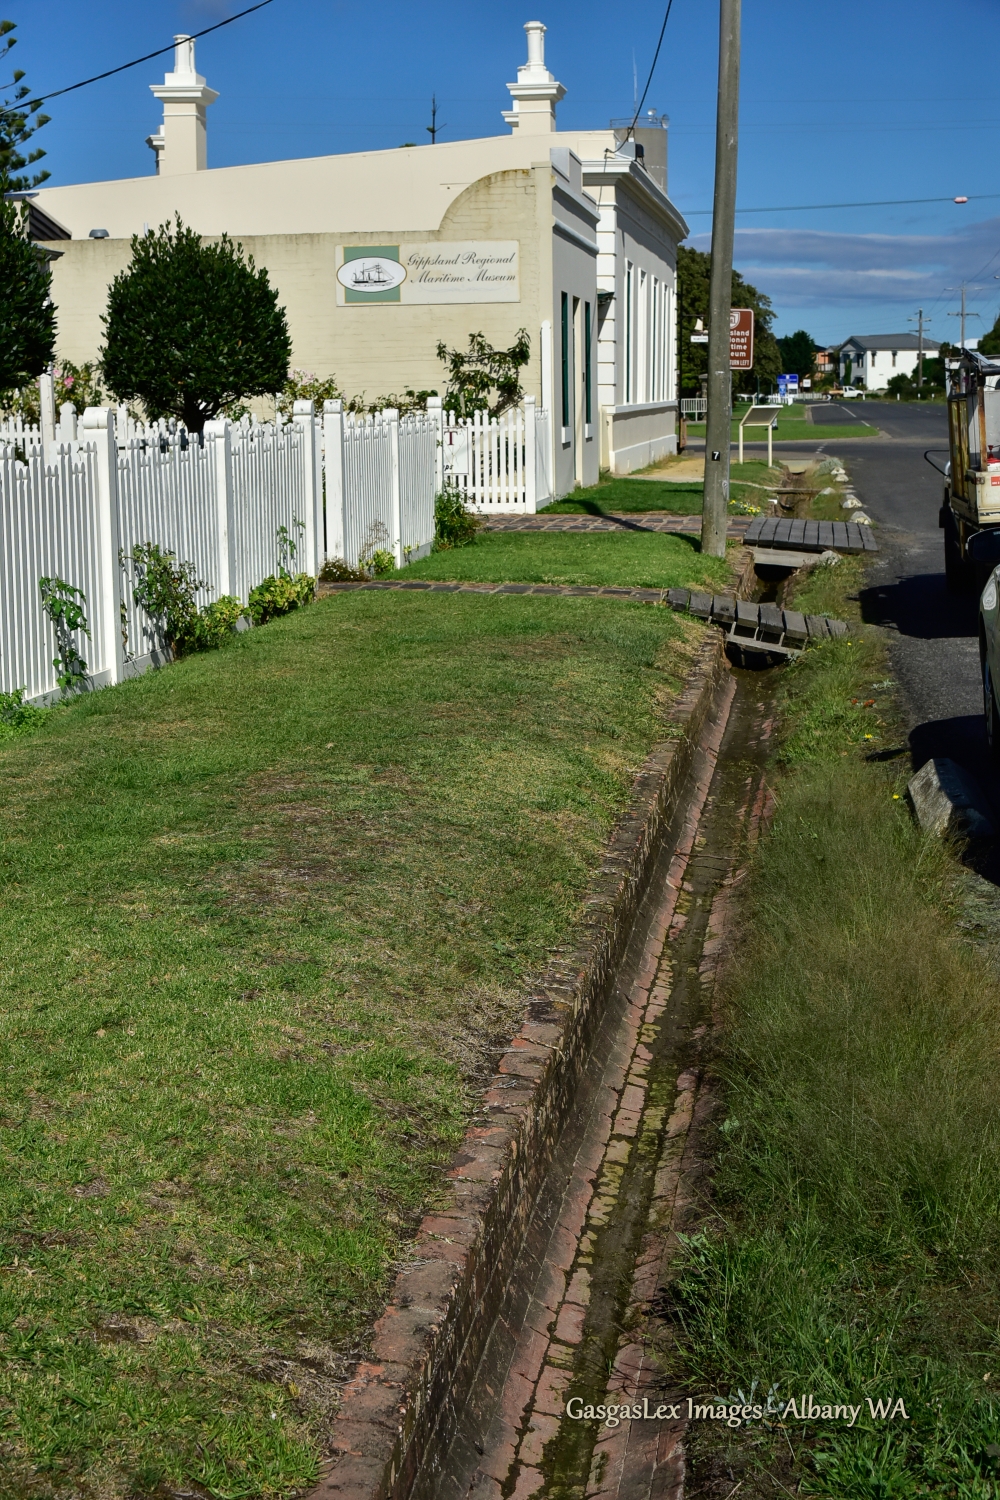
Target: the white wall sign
(470, 271)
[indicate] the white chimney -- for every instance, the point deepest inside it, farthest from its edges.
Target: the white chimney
(536, 93)
(181, 141)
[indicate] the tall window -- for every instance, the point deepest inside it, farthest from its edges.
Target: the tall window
(642, 339)
(565, 359)
(654, 393)
(628, 331)
(587, 377)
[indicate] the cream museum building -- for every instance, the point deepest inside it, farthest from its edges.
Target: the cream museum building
(378, 255)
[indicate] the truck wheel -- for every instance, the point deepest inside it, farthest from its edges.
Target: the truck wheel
(956, 570)
(990, 712)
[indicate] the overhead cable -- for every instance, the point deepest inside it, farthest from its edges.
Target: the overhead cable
(790, 208)
(28, 104)
(649, 80)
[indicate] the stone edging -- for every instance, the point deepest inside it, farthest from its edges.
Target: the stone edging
(398, 1411)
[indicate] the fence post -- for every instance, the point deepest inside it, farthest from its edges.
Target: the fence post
(304, 417)
(66, 428)
(99, 428)
(391, 416)
(530, 457)
(435, 410)
(333, 472)
(47, 414)
(219, 435)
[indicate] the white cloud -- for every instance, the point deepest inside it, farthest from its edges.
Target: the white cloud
(881, 274)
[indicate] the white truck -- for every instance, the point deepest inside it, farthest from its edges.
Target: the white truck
(970, 512)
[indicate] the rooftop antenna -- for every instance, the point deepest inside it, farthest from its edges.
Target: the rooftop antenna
(433, 128)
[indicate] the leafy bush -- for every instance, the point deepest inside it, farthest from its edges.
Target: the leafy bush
(64, 606)
(303, 385)
(454, 525)
(383, 562)
(27, 314)
(16, 716)
(78, 384)
(167, 589)
(279, 595)
(336, 570)
(475, 372)
(216, 622)
(192, 327)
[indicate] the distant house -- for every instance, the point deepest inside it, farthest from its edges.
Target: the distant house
(876, 357)
(826, 362)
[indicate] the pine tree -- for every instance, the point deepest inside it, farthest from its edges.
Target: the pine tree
(192, 328)
(27, 316)
(19, 119)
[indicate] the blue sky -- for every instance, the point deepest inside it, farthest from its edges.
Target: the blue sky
(838, 103)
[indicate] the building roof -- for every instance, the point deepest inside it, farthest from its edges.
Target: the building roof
(895, 341)
(410, 188)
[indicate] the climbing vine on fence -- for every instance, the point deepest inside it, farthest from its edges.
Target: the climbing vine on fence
(64, 606)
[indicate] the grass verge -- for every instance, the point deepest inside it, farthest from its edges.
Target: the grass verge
(615, 496)
(854, 1247)
(793, 428)
(266, 915)
(624, 559)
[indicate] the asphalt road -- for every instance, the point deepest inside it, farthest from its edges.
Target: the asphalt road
(834, 413)
(934, 647)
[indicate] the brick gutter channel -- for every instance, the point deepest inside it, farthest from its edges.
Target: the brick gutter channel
(403, 1409)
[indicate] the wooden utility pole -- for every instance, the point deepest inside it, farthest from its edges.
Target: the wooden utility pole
(919, 320)
(715, 514)
(964, 314)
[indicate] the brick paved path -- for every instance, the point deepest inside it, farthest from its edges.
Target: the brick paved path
(643, 596)
(650, 520)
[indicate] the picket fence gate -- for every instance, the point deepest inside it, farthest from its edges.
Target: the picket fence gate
(499, 463)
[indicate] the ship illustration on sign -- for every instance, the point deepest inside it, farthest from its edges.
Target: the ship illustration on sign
(371, 273)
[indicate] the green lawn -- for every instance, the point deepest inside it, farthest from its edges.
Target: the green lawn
(632, 559)
(684, 498)
(793, 426)
(265, 916)
(624, 496)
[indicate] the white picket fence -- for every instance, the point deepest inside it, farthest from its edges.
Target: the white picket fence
(77, 496)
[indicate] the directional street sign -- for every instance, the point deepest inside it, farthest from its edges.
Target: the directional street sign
(741, 338)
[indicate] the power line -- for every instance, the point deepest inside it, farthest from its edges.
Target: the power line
(788, 208)
(44, 98)
(638, 108)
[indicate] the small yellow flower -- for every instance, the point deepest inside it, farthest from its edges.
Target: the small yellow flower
(869, 736)
(895, 796)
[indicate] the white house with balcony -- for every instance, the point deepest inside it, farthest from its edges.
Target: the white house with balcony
(568, 234)
(871, 360)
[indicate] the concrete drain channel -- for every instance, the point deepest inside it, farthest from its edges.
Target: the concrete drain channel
(623, 1182)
